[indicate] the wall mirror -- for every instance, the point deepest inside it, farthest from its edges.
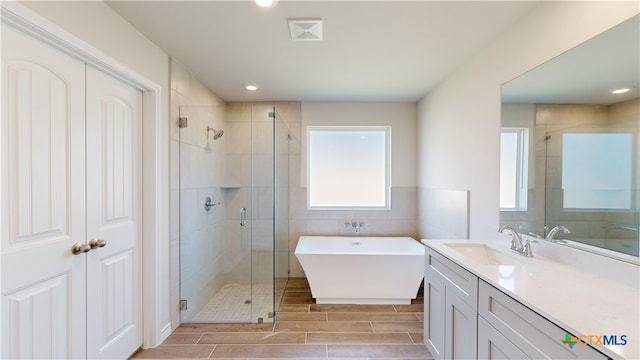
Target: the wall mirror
(570, 146)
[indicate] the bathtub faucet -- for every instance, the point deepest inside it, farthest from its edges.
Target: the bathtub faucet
(355, 225)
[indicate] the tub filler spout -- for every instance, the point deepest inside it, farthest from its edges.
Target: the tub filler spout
(355, 225)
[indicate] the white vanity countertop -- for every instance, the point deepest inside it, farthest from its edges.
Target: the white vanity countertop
(580, 301)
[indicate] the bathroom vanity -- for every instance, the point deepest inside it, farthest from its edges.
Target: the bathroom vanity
(484, 302)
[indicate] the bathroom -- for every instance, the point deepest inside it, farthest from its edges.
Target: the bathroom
(445, 155)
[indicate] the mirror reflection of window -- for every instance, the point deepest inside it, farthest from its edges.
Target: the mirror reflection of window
(348, 167)
(513, 168)
(573, 94)
(597, 171)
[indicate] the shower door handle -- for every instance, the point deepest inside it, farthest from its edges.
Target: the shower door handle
(243, 216)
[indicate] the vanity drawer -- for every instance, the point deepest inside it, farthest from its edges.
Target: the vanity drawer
(534, 335)
(462, 282)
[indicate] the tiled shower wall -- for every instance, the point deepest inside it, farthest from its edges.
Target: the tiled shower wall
(250, 178)
(203, 162)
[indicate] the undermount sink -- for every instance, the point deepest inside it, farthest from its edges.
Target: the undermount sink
(484, 254)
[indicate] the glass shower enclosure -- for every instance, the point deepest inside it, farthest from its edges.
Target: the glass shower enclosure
(234, 162)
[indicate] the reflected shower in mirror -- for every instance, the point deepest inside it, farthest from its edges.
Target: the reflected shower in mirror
(570, 146)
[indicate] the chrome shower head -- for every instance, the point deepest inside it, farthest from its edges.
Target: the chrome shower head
(216, 134)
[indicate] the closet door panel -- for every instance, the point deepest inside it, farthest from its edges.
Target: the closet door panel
(114, 114)
(43, 188)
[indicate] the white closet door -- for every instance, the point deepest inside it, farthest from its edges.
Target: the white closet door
(114, 278)
(42, 168)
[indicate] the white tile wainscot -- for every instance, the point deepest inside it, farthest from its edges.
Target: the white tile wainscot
(578, 292)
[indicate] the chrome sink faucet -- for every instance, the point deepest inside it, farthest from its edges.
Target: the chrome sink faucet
(516, 239)
(552, 233)
(516, 242)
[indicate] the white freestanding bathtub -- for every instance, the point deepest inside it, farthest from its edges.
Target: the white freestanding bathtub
(362, 270)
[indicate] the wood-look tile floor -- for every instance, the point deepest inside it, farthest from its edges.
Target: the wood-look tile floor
(306, 330)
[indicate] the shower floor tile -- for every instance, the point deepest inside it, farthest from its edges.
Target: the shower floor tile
(232, 304)
(304, 330)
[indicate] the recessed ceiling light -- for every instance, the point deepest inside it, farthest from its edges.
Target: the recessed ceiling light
(251, 87)
(266, 3)
(620, 91)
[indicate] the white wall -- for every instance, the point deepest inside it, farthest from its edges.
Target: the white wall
(459, 121)
(103, 29)
(97, 24)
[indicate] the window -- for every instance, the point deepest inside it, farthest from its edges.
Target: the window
(597, 171)
(514, 154)
(348, 167)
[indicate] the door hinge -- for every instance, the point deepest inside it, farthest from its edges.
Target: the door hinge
(272, 114)
(547, 138)
(183, 305)
(182, 122)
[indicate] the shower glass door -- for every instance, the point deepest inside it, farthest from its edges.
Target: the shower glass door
(265, 184)
(282, 142)
(269, 217)
(234, 250)
(215, 257)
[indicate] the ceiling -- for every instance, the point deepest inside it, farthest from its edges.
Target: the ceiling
(371, 50)
(587, 73)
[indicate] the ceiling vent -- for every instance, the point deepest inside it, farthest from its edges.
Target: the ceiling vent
(305, 29)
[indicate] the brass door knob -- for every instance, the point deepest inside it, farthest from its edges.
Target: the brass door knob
(79, 248)
(96, 243)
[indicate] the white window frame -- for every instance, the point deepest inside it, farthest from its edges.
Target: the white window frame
(387, 160)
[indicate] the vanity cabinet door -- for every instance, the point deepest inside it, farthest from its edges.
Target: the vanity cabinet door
(450, 315)
(461, 328)
(493, 345)
(434, 317)
(462, 282)
(534, 335)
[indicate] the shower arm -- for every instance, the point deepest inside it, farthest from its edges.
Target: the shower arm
(217, 134)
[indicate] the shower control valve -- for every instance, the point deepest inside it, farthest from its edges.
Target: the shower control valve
(208, 204)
